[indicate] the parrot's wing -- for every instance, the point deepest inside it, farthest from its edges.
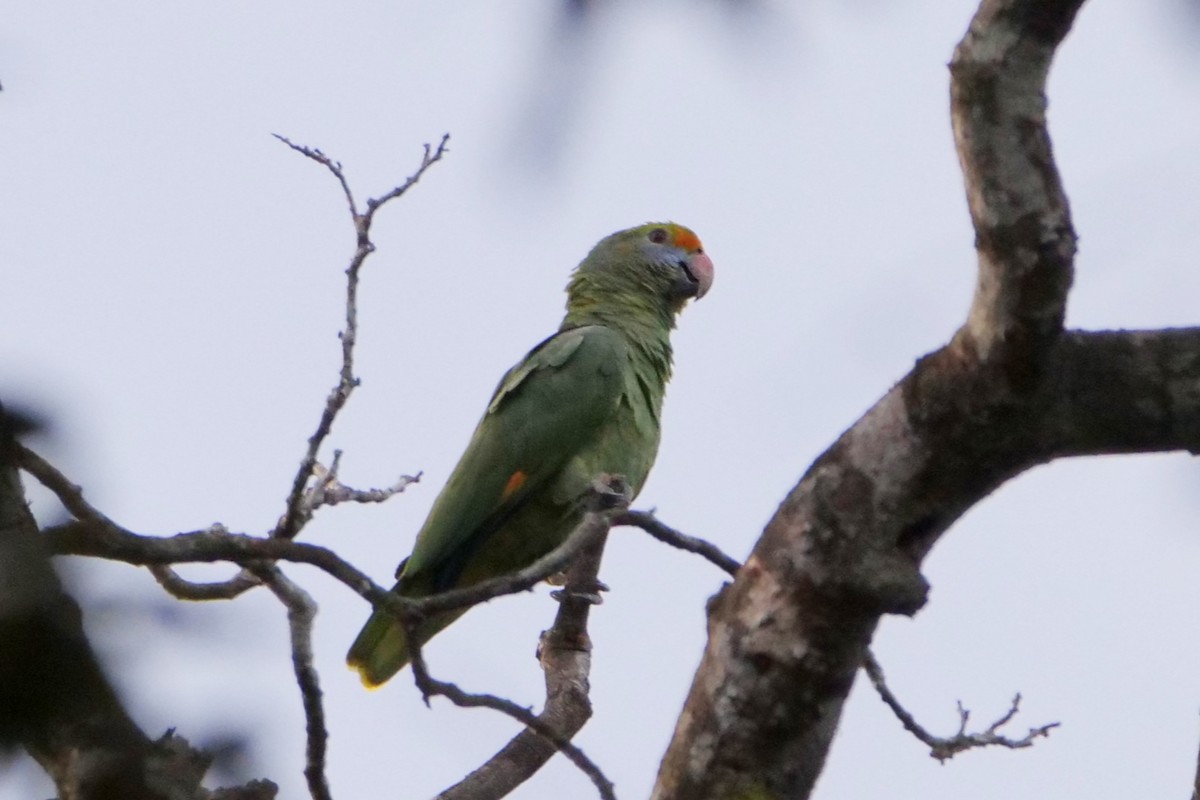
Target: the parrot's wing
(543, 412)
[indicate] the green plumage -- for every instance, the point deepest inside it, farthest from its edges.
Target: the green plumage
(584, 402)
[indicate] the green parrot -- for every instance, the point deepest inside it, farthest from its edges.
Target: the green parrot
(584, 402)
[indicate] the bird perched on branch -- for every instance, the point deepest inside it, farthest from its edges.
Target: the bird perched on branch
(583, 403)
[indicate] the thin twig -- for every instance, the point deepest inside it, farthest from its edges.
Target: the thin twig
(293, 518)
(328, 490)
(183, 589)
(334, 167)
(301, 612)
(431, 687)
(432, 156)
(68, 493)
(668, 535)
(945, 748)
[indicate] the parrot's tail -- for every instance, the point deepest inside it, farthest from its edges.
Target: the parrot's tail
(381, 649)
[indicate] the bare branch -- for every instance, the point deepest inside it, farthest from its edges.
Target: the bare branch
(431, 687)
(335, 167)
(565, 655)
(207, 546)
(944, 748)
(294, 517)
(328, 490)
(68, 493)
(302, 610)
(668, 535)
(183, 589)
(432, 156)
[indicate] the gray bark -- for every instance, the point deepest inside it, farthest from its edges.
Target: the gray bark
(1011, 390)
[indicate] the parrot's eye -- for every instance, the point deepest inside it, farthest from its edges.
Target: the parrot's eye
(658, 235)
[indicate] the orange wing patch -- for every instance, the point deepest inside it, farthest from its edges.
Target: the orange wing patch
(514, 485)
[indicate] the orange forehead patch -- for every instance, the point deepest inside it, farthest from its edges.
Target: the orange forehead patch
(685, 239)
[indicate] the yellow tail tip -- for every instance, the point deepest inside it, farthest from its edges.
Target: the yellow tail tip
(364, 675)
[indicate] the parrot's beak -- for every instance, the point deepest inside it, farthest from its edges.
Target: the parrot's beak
(699, 271)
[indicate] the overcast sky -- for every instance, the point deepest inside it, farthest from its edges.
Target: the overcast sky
(173, 292)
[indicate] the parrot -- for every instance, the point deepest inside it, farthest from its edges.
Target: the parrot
(583, 403)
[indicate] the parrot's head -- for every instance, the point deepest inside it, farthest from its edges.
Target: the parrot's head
(657, 266)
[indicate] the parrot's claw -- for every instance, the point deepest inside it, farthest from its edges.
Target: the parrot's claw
(609, 492)
(591, 598)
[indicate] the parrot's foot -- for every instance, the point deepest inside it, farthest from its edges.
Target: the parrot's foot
(609, 492)
(590, 595)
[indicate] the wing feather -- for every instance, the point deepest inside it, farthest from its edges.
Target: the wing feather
(544, 411)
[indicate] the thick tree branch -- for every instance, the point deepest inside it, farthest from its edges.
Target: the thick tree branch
(1024, 237)
(1010, 391)
(786, 638)
(1121, 392)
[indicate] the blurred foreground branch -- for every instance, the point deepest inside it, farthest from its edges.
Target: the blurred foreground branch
(56, 702)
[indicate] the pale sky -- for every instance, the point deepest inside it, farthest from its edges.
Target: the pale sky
(175, 287)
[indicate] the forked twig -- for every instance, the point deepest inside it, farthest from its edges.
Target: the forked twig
(944, 748)
(294, 518)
